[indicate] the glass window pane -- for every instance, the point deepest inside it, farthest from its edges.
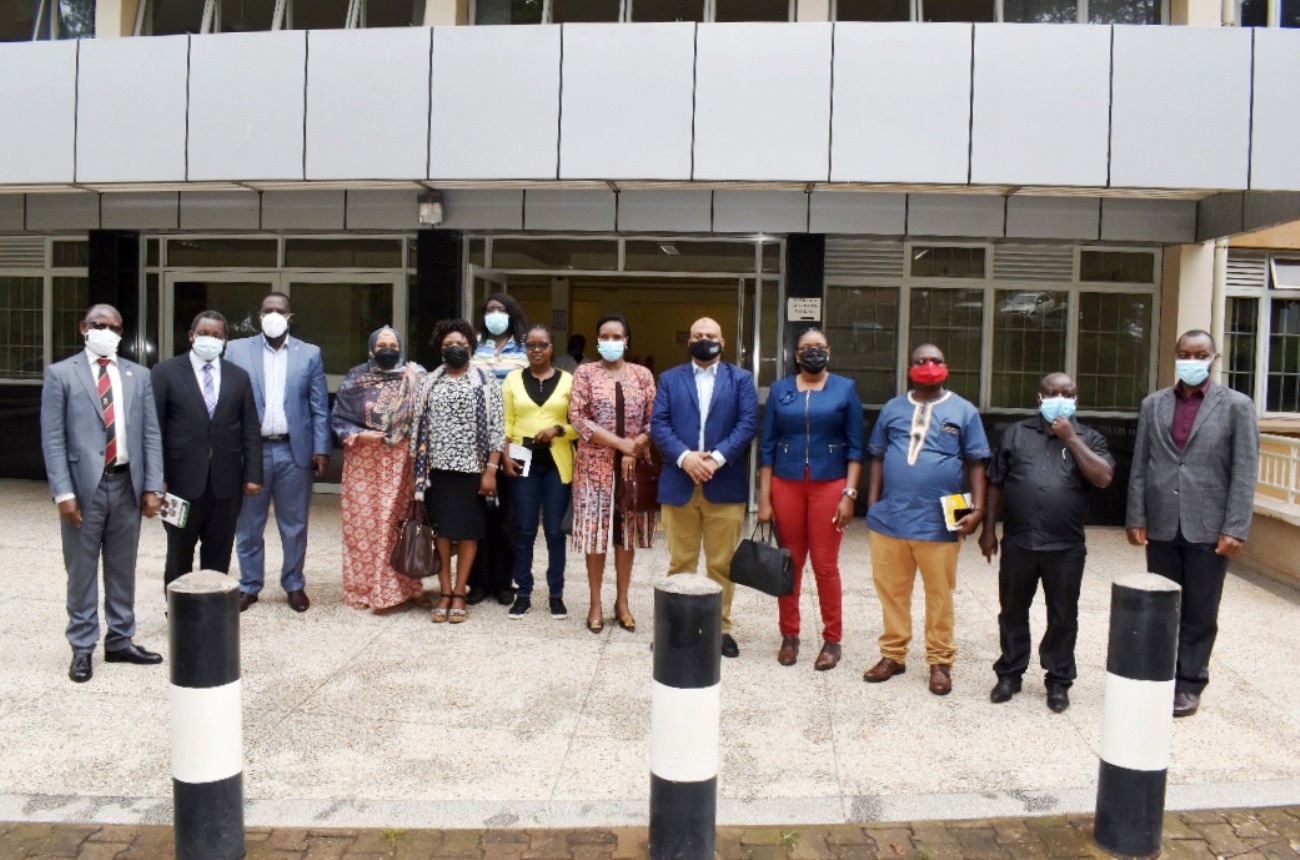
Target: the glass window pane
(1241, 333)
(1127, 267)
(951, 320)
(76, 18)
(772, 257)
(237, 301)
(393, 13)
(238, 253)
(593, 254)
(771, 347)
(678, 256)
(173, 17)
(1123, 12)
(246, 16)
(1254, 13)
(17, 20)
(957, 10)
(1286, 274)
(343, 253)
(152, 253)
(21, 334)
(751, 10)
(1291, 13)
(862, 330)
(508, 11)
(667, 10)
(1114, 350)
(152, 331)
(71, 300)
(1028, 344)
(341, 318)
(71, 255)
(873, 10)
(478, 252)
(944, 262)
(319, 14)
(1284, 357)
(576, 11)
(1040, 11)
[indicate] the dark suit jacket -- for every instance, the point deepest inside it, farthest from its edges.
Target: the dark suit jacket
(1208, 488)
(732, 423)
(229, 445)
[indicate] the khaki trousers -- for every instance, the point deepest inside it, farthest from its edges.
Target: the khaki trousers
(894, 562)
(718, 527)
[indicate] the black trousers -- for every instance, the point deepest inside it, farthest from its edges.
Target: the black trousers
(1200, 572)
(494, 565)
(1061, 572)
(210, 527)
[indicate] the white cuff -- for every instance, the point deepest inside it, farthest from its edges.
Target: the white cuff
(681, 458)
(718, 458)
(64, 497)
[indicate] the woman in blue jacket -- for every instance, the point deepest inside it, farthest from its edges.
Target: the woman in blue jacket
(809, 469)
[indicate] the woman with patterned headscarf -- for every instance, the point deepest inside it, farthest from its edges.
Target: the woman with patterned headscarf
(372, 419)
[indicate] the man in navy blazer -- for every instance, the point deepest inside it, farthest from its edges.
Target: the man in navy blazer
(705, 415)
(293, 407)
(103, 456)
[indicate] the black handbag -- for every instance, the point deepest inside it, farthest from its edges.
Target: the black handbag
(762, 565)
(414, 554)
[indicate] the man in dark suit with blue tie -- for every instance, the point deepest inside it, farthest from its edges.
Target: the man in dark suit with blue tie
(212, 450)
(293, 410)
(705, 415)
(103, 456)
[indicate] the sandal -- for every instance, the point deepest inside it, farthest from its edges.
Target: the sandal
(627, 622)
(597, 625)
(458, 616)
(440, 612)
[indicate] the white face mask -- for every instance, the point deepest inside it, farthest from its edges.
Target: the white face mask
(208, 348)
(274, 324)
(102, 342)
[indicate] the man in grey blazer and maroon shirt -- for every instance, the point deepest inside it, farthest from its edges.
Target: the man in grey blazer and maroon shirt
(103, 456)
(1191, 496)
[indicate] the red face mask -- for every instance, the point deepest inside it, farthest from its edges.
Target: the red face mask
(928, 373)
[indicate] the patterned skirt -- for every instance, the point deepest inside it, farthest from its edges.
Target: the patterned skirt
(594, 516)
(378, 483)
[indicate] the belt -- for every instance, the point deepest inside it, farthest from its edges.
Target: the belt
(119, 469)
(283, 437)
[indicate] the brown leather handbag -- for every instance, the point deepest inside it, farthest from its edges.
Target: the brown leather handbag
(414, 555)
(640, 493)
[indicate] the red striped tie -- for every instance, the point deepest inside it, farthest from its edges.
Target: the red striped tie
(106, 404)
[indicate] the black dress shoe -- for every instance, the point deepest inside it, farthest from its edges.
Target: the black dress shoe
(475, 595)
(506, 596)
(246, 599)
(298, 601)
(1058, 697)
(729, 646)
(1186, 704)
(1005, 688)
(80, 670)
(132, 654)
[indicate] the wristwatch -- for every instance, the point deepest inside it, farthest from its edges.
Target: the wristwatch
(850, 492)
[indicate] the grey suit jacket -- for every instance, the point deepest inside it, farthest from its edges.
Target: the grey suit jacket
(72, 428)
(1208, 488)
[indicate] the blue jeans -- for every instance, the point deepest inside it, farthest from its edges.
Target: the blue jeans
(540, 496)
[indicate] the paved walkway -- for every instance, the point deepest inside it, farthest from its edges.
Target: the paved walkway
(353, 719)
(1237, 833)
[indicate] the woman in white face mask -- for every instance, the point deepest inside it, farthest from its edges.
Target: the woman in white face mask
(500, 349)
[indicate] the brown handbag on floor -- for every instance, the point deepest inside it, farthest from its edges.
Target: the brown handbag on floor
(415, 555)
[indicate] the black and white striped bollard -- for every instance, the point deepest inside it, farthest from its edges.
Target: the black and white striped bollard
(207, 720)
(685, 708)
(1137, 717)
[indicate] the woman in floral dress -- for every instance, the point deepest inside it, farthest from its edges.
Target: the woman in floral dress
(372, 420)
(610, 409)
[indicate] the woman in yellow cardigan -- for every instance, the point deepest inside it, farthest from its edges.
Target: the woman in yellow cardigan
(537, 418)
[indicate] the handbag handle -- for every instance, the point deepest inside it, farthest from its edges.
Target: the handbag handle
(766, 532)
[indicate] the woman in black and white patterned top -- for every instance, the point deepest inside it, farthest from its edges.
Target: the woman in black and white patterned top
(457, 444)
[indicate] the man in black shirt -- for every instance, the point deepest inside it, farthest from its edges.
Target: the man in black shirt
(1043, 473)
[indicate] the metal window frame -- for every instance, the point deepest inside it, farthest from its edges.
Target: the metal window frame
(47, 274)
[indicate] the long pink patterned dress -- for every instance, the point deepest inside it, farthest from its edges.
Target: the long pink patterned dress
(593, 404)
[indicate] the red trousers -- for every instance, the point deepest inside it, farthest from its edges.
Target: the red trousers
(805, 521)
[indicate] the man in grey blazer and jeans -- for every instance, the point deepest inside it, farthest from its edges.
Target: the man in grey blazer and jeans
(1191, 496)
(103, 456)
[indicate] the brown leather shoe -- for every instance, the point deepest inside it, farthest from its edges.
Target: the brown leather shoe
(883, 671)
(789, 650)
(829, 657)
(940, 679)
(298, 601)
(1186, 704)
(246, 599)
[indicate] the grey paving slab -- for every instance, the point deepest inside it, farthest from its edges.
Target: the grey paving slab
(354, 718)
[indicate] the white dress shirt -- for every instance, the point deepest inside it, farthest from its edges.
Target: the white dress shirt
(705, 377)
(275, 372)
(119, 411)
(197, 363)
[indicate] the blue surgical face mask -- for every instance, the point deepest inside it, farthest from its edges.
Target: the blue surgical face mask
(208, 348)
(496, 322)
(1052, 408)
(611, 350)
(1192, 371)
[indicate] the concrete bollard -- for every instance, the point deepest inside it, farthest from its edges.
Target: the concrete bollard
(1137, 717)
(207, 722)
(685, 708)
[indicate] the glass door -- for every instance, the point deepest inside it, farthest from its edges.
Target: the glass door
(338, 313)
(237, 295)
(480, 284)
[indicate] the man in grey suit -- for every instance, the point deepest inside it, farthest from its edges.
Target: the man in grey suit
(293, 409)
(103, 456)
(1191, 496)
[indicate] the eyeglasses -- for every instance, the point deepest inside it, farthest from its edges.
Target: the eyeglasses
(537, 347)
(100, 326)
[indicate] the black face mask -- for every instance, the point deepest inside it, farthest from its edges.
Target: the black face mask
(705, 350)
(813, 360)
(455, 357)
(386, 357)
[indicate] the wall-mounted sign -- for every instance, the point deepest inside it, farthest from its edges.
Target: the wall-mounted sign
(803, 310)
